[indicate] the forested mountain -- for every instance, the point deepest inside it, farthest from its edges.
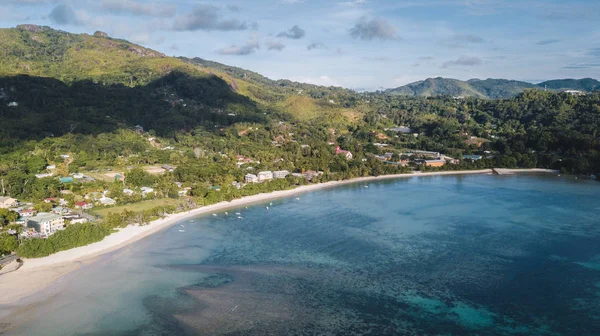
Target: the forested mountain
(489, 88)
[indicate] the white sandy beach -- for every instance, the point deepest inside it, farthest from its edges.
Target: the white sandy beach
(37, 274)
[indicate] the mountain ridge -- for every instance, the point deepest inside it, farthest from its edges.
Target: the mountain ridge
(490, 88)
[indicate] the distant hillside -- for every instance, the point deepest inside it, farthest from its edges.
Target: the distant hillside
(585, 84)
(436, 87)
(489, 88)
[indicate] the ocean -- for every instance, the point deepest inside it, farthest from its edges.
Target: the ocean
(439, 255)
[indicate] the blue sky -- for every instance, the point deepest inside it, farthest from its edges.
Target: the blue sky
(359, 44)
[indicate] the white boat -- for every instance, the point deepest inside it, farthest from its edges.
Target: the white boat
(226, 213)
(271, 203)
(267, 208)
(215, 215)
(366, 186)
(181, 225)
(297, 198)
(237, 213)
(181, 230)
(240, 217)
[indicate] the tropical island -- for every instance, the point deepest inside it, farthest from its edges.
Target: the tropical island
(98, 134)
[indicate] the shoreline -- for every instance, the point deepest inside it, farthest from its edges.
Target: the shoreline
(38, 274)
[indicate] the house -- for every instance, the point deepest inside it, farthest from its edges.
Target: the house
(251, 178)
(298, 175)
(281, 174)
(127, 192)
(51, 167)
(61, 211)
(265, 175)
(44, 175)
(67, 179)
(339, 151)
(168, 168)
(83, 205)
(311, 174)
(138, 129)
(146, 191)
(435, 163)
(472, 157)
(75, 219)
(50, 200)
(46, 223)
(574, 92)
(401, 129)
(107, 201)
(27, 213)
(8, 202)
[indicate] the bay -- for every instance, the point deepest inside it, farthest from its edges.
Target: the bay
(444, 255)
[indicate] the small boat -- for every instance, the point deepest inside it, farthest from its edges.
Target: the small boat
(297, 198)
(366, 186)
(181, 225)
(246, 207)
(215, 215)
(226, 213)
(181, 230)
(237, 213)
(240, 217)
(271, 203)
(267, 208)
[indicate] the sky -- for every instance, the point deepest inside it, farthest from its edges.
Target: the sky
(358, 44)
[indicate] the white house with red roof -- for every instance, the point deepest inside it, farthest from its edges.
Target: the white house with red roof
(339, 151)
(83, 205)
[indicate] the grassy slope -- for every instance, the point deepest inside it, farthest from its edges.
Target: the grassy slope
(136, 207)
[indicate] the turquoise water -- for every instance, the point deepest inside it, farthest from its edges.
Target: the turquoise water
(463, 255)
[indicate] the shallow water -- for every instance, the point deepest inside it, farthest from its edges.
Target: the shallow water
(446, 255)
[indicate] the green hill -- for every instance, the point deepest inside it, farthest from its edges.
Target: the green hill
(97, 83)
(489, 88)
(436, 87)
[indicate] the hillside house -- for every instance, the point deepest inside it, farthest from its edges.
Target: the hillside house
(472, 157)
(251, 178)
(146, 190)
(61, 211)
(67, 179)
(311, 174)
(339, 151)
(265, 176)
(281, 174)
(26, 213)
(75, 219)
(46, 223)
(107, 201)
(8, 202)
(138, 129)
(84, 205)
(168, 168)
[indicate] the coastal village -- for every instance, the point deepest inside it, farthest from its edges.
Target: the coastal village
(77, 205)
